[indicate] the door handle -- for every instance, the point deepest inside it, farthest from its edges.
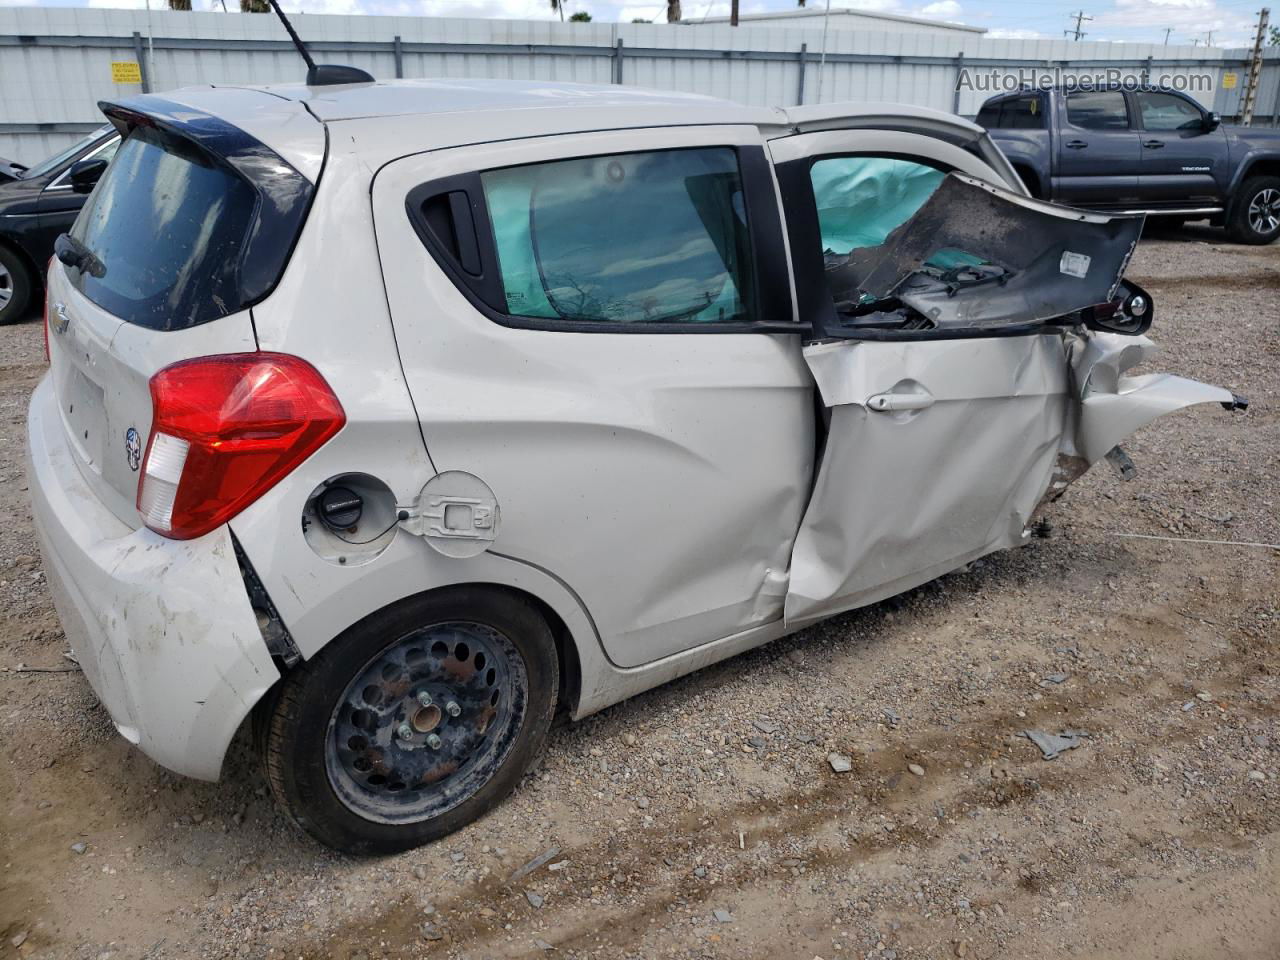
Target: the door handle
(888, 402)
(1153, 144)
(1076, 144)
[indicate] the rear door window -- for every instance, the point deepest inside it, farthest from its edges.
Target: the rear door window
(1024, 113)
(166, 226)
(634, 238)
(1098, 110)
(861, 199)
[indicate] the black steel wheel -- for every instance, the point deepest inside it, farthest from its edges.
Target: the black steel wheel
(415, 721)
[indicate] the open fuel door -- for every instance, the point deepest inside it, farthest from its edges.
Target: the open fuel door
(958, 362)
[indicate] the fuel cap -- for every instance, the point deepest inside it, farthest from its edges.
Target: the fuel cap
(340, 508)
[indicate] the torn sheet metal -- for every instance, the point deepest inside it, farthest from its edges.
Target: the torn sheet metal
(938, 452)
(1111, 406)
(975, 254)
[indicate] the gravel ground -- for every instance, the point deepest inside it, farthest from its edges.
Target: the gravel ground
(704, 819)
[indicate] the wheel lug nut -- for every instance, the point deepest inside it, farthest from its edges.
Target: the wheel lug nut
(424, 698)
(452, 709)
(434, 742)
(404, 732)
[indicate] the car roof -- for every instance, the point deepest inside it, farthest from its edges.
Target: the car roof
(417, 115)
(448, 96)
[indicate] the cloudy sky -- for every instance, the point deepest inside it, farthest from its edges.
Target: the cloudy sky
(1227, 22)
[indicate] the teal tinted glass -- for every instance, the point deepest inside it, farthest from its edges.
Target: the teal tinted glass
(657, 237)
(862, 199)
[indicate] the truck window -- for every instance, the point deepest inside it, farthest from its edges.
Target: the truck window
(989, 116)
(1097, 110)
(1023, 113)
(1164, 111)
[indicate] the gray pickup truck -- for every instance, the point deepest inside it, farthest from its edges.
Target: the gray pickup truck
(1148, 150)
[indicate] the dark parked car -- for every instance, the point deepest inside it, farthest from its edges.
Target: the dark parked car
(39, 204)
(1147, 150)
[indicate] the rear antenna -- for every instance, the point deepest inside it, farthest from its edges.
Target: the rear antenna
(325, 74)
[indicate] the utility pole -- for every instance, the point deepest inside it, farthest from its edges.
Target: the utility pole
(1208, 41)
(733, 13)
(1080, 19)
(1255, 69)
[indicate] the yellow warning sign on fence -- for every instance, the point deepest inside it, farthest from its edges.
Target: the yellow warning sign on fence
(125, 71)
(1229, 80)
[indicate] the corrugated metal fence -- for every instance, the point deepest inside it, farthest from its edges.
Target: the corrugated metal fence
(55, 63)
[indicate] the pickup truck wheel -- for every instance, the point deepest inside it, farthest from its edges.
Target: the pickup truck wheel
(1255, 217)
(414, 722)
(15, 286)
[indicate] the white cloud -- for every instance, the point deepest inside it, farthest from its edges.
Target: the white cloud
(942, 10)
(1188, 19)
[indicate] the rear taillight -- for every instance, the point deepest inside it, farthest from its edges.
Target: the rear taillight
(48, 267)
(224, 431)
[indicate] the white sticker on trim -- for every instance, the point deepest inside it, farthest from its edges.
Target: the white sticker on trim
(1074, 264)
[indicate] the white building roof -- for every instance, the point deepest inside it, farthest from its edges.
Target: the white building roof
(836, 14)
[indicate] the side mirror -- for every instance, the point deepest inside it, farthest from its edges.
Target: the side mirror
(1212, 121)
(86, 173)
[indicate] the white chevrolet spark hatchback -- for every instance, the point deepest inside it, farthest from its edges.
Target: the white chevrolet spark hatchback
(400, 416)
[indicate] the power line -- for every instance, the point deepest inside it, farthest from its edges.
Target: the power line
(1080, 19)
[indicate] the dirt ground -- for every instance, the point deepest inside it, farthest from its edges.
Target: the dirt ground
(704, 820)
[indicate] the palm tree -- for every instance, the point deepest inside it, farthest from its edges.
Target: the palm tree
(558, 7)
(255, 6)
(179, 4)
(673, 11)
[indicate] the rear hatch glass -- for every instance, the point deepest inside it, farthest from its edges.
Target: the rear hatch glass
(164, 230)
(170, 241)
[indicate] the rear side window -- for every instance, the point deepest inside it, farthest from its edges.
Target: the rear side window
(1097, 110)
(166, 225)
(634, 238)
(861, 199)
(1023, 113)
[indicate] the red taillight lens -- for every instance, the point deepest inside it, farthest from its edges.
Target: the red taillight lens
(224, 431)
(48, 267)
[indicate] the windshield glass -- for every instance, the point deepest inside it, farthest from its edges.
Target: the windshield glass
(58, 159)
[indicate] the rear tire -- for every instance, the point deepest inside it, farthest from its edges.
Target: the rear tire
(358, 761)
(16, 286)
(1255, 214)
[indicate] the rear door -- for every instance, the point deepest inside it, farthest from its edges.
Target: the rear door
(600, 328)
(1182, 160)
(1098, 153)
